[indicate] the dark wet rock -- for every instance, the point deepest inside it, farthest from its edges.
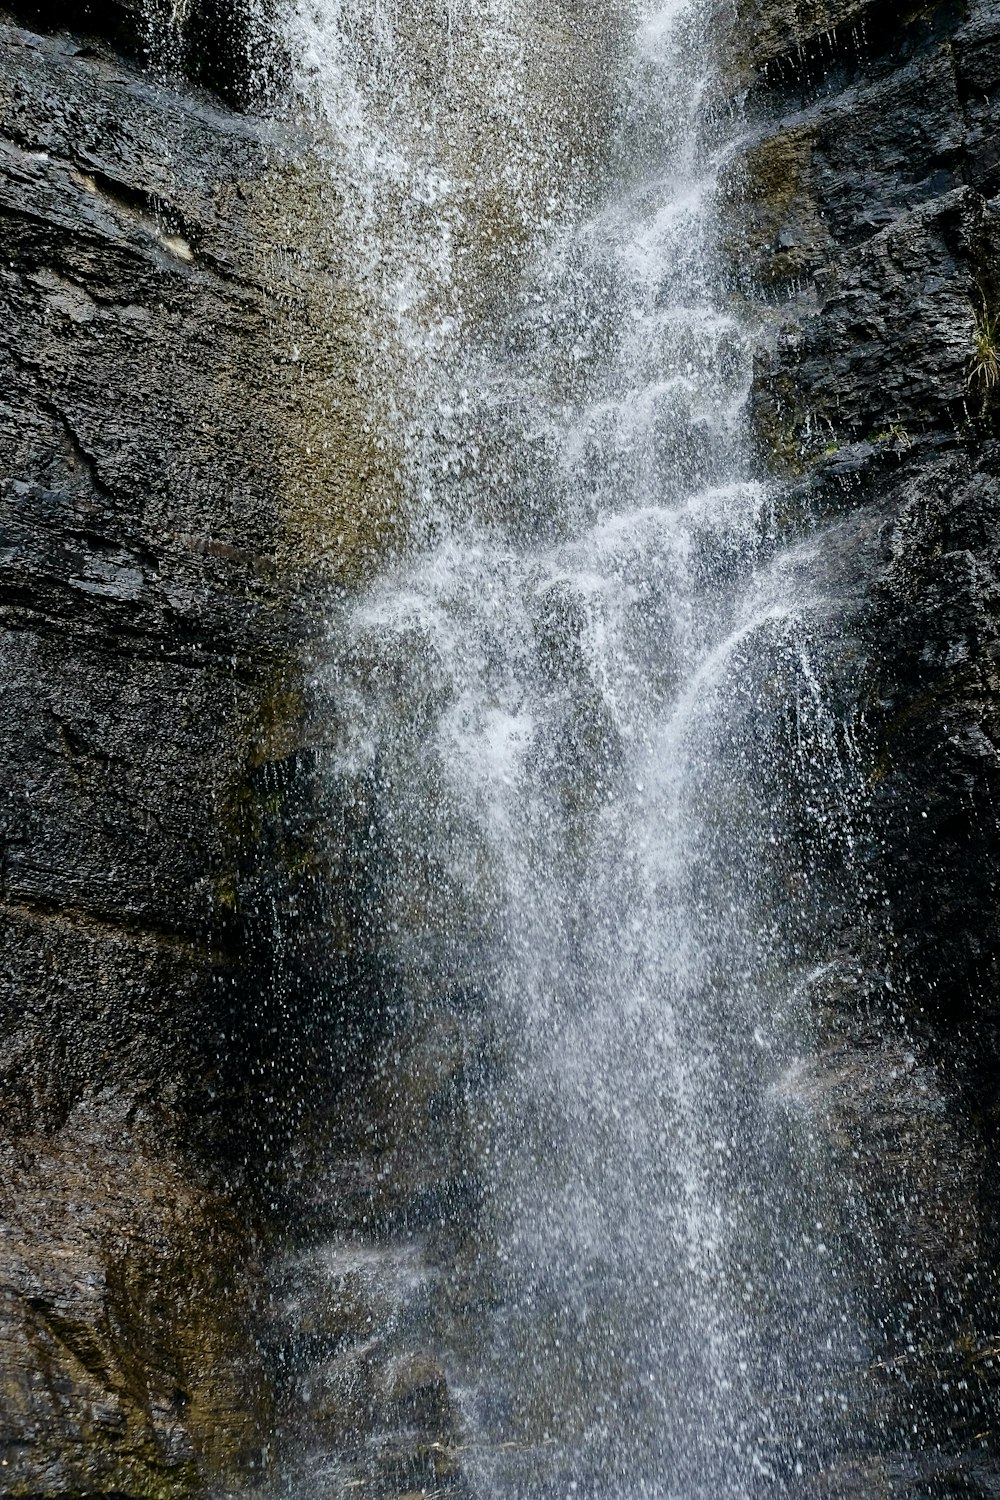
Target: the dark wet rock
(888, 351)
(419, 1396)
(156, 514)
(224, 45)
(871, 248)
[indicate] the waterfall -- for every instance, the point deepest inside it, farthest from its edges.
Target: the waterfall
(579, 702)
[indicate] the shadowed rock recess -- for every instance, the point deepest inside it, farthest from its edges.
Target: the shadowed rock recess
(186, 1060)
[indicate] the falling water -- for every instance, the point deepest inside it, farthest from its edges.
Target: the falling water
(583, 701)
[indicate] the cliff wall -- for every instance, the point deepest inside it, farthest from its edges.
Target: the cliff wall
(867, 222)
(157, 517)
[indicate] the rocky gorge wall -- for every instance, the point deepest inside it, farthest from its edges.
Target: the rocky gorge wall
(164, 381)
(184, 462)
(867, 236)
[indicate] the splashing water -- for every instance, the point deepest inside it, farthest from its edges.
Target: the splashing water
(583, 694)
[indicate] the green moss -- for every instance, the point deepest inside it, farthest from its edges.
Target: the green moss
(224, 891)
(336, 434)
(776, 231)
(894, 433)
(779, 429)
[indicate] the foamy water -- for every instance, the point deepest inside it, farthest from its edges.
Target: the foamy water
(586, 694)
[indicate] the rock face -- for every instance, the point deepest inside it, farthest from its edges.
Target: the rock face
(155, 520)
(868, 239)
(180, 450)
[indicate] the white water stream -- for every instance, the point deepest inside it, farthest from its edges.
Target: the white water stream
(584, 694)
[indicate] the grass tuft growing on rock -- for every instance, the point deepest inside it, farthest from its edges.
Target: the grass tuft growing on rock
(984, 366)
